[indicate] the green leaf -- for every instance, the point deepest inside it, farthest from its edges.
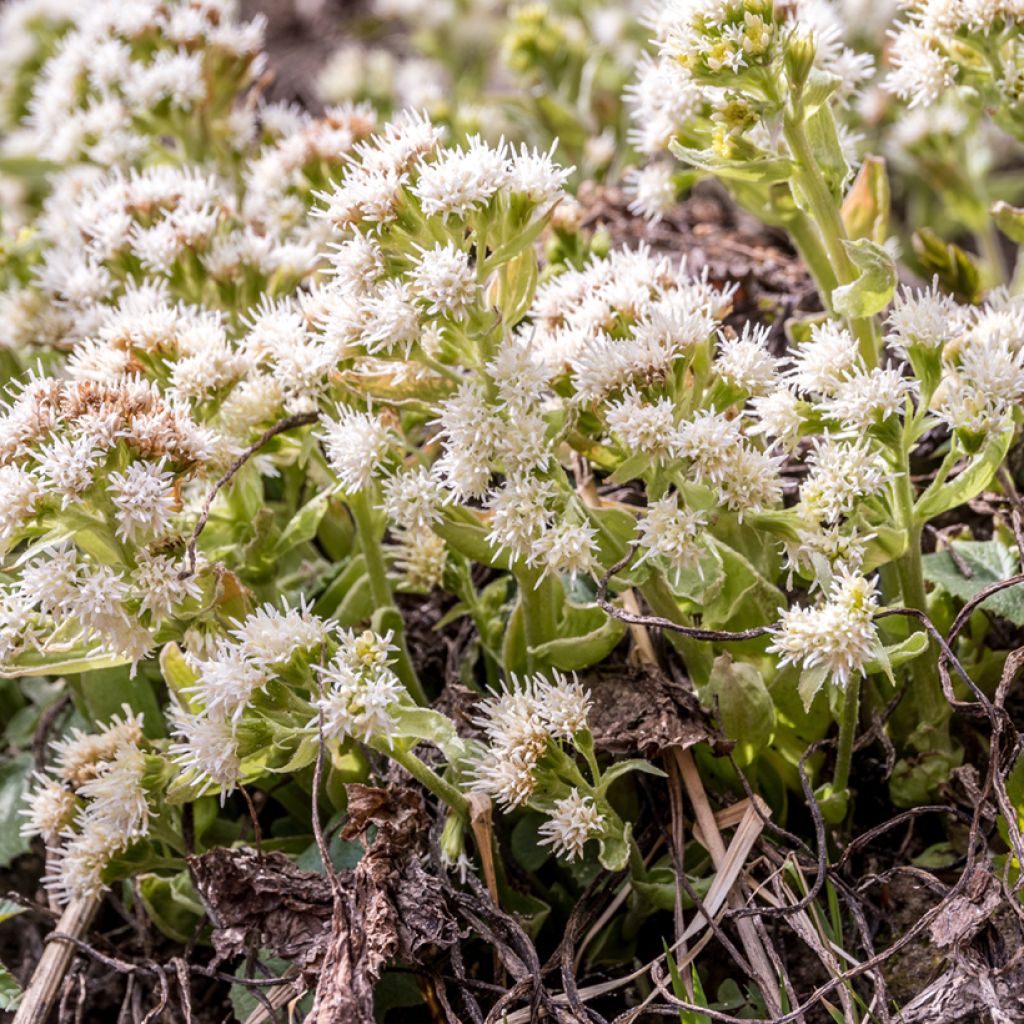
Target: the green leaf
(10, 990)
(528, 852)
(14, 782)
(172, 904)
(761, 171)
(956, 270)
(303, 525)
(620, 768)
(811, 681)
(575, 652)
(417, 723)
(1010, 220)
(745, 599)
(942, 496)
(746, 710)
(988, 562)
(873, 289)
(895, 655)
(177, 672)
(9, 909)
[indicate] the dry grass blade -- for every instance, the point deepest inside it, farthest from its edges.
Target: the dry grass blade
(44, 986)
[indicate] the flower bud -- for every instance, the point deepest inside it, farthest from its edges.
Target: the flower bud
(800, 53)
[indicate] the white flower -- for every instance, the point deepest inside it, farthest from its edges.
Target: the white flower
(143, 499)
(520, 514)
(206, 751)
(745, 362)
(749, 480)
(672, 533)
(652, 190)
(357, 703)
(921, 72)
(535, 175)
(444, 278)
(574, 819)
(357, 444)
(710, 440)
(116, 798)
(67, 465)
(866, 398)
(51, 806)
(391, 319)
(19, 492)
(822, 363)
(840, 635)
(413, 498)
(565, 548)
(778, 416)
(270, 637)
(459, 181)
(841, 474)
(226, 682)
(926, 317)
(640, 426)
(157, 578)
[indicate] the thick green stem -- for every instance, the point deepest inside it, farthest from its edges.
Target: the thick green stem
(380, 591)
(807, 240)
(824, 211)
(847, 731)
(928, 702)
(540, 601)
(429, 779)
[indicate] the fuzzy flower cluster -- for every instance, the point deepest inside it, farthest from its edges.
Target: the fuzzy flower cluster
(360, 689)
(124, 76)
(942, 46)
(114, 455)
(229, 679)
(975, 352)
(720, 72)
(91, 807)
(837, 638)
(519, 724)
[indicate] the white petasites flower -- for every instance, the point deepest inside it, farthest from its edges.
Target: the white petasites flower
(51, 806)
(652, 190)
(866, 398)
(574, 819)
(520, 513)
(81, 755)
(778, 415)
(672, 533)
(67, 464)
(536, 176)
(115, 795)
(459, 180)
(565, 548)
(158, 580)
(643, 427)
(19, 492)
(270, 637)
(924, 317)
(991, 366)
(226, 682)
(206, 750)
(839, 635)
(710, 440)
(390, 319)
(745, 362)
(357, 700)
(413, 499)
(143, 499)
(357, 444)
(444, 278)
(841, 474)
(921, 72)
(749, 481)
(822, 363)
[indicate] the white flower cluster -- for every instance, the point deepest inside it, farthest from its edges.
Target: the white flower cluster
(93, 806)
(360, 689)
(837, 637)
(519, 723)
(121, 75)
(945, 44)
(228, 680)
(979, 351)
(61, 443)
(574, 819)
